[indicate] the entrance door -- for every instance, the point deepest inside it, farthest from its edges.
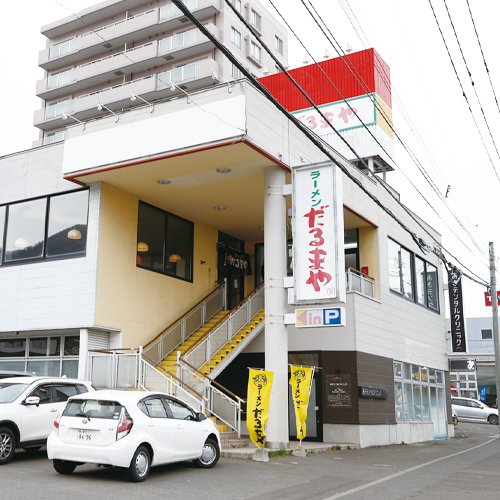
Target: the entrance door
(231, 256)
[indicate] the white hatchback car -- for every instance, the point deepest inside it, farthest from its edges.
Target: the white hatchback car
(28, 406)
(472, 410)
(133, 430)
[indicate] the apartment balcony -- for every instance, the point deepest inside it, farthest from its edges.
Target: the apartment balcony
(187, 44)
(130, 29)
(186, 78)
(190, 43)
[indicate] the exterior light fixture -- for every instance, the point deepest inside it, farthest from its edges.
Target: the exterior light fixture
(164, 181)
(220, 207)
(142, 246)
(223, 170)
(74, 234)
(174, 87)
(134, 97)
(65, 116)
(21, 243)
(175, 257)
(101, 106)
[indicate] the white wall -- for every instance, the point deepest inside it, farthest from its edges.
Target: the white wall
(50, 294)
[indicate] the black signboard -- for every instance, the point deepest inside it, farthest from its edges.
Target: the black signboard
(456, 311)
(372, 392)
(462, 365)
(338, 391)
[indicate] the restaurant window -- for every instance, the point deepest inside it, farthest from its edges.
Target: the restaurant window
(400, 270)
(413, 277)
(413, 389)
(164, 243)
(44, 228)
(55, 355)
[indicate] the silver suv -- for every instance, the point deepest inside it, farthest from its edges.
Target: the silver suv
(28, 408)
(472, 410)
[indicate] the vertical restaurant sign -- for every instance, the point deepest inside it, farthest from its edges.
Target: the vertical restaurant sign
(318, 238)
(456, 311)
(258, 398)
(300, 381)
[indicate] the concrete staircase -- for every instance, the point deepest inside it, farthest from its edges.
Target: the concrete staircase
(227, 348)
(170, 361)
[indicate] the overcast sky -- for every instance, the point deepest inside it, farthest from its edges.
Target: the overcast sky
(430, 113)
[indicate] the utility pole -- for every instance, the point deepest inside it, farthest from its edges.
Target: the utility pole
(494, 304)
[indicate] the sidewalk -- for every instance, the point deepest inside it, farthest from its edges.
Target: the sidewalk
(309, 447)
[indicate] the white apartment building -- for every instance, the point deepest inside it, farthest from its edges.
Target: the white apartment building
(118, 54)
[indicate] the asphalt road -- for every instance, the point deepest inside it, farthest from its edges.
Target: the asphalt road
(465, 467)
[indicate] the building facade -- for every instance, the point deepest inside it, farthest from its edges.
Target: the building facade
(119, 53)
(472, 374)
(111, 239)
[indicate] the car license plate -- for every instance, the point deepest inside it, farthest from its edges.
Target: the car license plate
(84, 435)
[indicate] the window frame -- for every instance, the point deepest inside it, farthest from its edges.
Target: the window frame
(44, 257)
(255, 48)
(166, 216)
(255, 20)
(413, 259)
(278, 44)
(235, 37)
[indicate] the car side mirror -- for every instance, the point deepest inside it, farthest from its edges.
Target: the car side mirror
(32, 400)
(201, 417)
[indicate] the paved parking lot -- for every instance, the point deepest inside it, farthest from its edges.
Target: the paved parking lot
(460, 468)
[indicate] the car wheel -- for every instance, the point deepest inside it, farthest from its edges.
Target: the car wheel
(209, 456)
(140, 465)
(493, 419)
(63, 466)
(7, 445)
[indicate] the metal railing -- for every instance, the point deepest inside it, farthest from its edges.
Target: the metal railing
(129, 18)
(221, 402)
(170, 10)
(176, 334)
(359, 282)
(129, 369)
(123, 52)
(179, 40)
(203, 351)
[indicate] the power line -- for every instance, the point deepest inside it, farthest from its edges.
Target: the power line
(363, 84)
(421, 168)
(312, 137)
(146, 69)
(472, 82)
(463, 91)
(484, 59)
(413, 157)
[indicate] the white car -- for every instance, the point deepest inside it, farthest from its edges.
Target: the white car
(28, 406)
(133, 430)
(472, 410)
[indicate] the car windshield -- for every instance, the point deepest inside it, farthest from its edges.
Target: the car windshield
(9, 391)
(92, 408)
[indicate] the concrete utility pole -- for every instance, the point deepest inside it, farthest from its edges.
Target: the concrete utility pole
(494, 304)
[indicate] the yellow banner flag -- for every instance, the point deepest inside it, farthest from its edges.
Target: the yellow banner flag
(259, 394)
(300, 380)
